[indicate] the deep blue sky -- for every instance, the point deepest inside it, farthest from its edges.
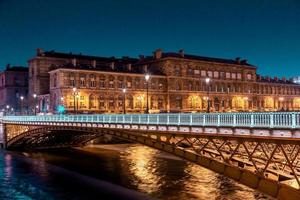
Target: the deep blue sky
(265, 32)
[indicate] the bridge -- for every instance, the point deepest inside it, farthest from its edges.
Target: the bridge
(260, 150)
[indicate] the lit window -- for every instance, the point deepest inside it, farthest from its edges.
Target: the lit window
(249, 76)
(227, 75)
(233, 75)
(216, 74)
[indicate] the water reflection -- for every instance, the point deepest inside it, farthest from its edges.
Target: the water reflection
(141, 164)
(165, 176)
(136, 167)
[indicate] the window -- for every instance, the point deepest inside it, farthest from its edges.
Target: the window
(92, 80)
(209, 74)
(203, 73)
(227, 75)
(111, 103)
(72, 80)
(233, 75)
(111, 82)
(249, 76)
(222, 75)
(82, 81)
(102, 82)
(190, 71)
(177, 71)
(196, 71)
(239, 76)
(216, 74)
(101, 102)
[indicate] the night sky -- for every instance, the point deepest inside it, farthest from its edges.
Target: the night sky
(265, 32)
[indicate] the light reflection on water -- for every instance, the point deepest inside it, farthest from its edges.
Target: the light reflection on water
(165, 176)
(136, 167)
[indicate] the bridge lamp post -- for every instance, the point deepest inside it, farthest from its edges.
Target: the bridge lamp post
(147, 77)
(7, 109)
(124, 100)
(207, 80)
(21, 104)
(34, 97)
(75, 93)
(77, 100)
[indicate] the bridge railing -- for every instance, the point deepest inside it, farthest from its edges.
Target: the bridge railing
(265, 119)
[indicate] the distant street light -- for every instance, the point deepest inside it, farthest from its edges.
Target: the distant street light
(207, 80)
(34, 97)
(75, 93)
(147, 77)
(21, 104)
(124, 100)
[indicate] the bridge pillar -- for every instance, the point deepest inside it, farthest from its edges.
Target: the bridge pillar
(2, 135)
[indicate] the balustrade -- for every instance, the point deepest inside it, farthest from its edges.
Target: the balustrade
(265, 120)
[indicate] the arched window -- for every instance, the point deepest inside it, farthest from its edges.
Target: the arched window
(101, 102)
(92, 80)
(111, 83)
(178, 102)
(160, 102)
(102, 82)
(72, 80)
(92, 101)
(111, 103)
(129, 101)
(120, 101)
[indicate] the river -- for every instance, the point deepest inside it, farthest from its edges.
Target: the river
(119, 171)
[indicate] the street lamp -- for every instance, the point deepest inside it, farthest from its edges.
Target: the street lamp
(124, 100)
(34, 97)
(7, 109)
(207, 80)
(147, 77)
(74, 95)
(21, 104)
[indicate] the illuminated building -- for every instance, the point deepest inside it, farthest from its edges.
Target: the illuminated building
(177, 83)
(13, 86)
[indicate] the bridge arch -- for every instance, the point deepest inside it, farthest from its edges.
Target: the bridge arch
(181, 145)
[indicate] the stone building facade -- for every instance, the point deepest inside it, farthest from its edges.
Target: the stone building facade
(14, 89)
(177, 84)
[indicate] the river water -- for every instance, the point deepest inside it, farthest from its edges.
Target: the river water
(119, 171)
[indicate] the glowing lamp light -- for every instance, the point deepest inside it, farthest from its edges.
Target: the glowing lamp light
(147, 76)
(60, 109)
(207, 80)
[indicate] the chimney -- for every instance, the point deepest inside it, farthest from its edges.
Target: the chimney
(74, 62)
(276, 78)
(39, 51)
(129, 67)
(244, 61)
(181, 52)
(141, 57)
(283, 79)
(268, 78)
(8, 66)
(145, 68)
(157, 54)
(112, 65)
(238, 60)
(258, 77)
(94, 63)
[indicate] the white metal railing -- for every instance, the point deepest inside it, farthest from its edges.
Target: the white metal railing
(264, 119)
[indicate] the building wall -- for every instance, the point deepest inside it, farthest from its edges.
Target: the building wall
(101, 92)
(13, 85)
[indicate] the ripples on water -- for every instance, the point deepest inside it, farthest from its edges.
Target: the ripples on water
(136, 167)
